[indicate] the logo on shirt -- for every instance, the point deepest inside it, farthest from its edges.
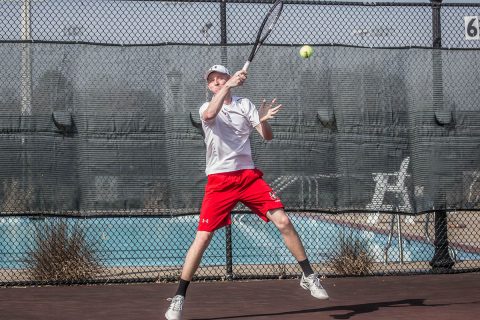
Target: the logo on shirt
(274, 196)
(204, 220)
(227, 115)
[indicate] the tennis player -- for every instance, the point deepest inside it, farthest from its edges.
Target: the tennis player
(228, 121)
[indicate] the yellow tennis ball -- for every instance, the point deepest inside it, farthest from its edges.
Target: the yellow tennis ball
(306, 51)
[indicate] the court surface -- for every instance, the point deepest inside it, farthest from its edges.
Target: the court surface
(393, 297)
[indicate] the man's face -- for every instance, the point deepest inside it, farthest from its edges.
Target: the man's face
(216, 81)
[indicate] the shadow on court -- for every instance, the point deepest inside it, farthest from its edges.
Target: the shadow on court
(354, 310)
(396, 297)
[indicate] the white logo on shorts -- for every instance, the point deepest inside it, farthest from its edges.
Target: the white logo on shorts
(204, 220)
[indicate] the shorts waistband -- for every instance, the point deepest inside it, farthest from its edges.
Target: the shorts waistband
(231, 173)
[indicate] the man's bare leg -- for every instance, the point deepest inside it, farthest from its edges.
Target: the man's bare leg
(310, 280)
(192, 261)
(195, 254)
(289, 234)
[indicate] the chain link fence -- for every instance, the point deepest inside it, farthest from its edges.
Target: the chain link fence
(376, 153)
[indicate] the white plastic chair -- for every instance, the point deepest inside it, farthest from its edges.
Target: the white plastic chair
(390, 182)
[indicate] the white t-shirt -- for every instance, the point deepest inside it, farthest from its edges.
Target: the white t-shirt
(227, 136)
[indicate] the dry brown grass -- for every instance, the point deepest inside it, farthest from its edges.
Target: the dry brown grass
(62, 254)
(353, 258)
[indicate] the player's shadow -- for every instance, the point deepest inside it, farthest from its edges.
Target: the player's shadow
(352, 310)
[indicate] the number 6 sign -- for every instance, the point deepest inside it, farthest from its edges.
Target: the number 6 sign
(472, 31)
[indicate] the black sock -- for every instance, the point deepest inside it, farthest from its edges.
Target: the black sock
(306, 267)
(182, 287)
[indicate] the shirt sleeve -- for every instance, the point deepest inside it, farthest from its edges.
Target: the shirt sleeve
(200, 111)
(252, 114)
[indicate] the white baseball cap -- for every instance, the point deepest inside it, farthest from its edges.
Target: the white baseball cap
(216, 68)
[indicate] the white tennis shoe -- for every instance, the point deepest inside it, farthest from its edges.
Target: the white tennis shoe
(175, 309)
(312, 283)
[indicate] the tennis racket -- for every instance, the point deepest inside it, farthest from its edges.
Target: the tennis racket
(265, 29)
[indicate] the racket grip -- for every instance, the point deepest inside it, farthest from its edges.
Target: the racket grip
(245, 66)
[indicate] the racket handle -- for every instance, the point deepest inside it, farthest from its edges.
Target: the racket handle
(245, 66)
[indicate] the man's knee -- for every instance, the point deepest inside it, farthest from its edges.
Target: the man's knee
(281, 220)
(203, 238)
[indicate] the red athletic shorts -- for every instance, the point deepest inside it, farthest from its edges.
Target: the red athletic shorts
(224, 190)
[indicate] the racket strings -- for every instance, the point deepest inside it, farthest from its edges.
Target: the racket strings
(271, 20)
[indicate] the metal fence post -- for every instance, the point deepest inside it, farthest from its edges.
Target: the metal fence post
(224, 59)
(441, 261)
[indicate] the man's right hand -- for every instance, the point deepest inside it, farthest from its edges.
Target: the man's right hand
(237, 79)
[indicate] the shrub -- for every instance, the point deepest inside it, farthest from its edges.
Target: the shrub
(62, 254)
(353, 257)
